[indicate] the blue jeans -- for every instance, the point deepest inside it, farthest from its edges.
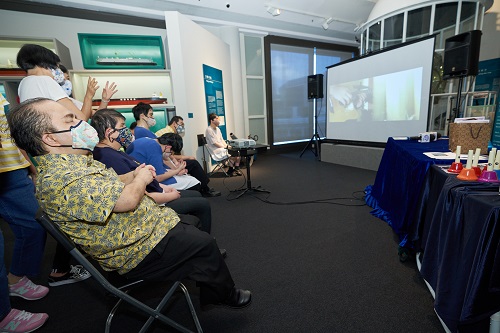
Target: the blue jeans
(18, 207)
(4, 289)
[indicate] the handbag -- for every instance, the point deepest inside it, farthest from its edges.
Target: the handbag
(470, 136)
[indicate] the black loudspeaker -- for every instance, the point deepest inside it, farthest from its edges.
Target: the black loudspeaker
(315, 86)
(461, 55)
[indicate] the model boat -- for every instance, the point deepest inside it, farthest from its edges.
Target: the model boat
(125, 61)
(132, 100)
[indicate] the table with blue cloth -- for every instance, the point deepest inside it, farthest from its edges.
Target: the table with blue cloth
(456, 232)
(399, 179)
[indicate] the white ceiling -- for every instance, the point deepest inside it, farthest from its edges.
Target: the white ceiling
(298, 18)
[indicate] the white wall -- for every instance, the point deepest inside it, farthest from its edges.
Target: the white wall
(490, 45)
(190, 47)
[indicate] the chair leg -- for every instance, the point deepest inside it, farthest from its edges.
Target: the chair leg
(191, 307)
(156, 313)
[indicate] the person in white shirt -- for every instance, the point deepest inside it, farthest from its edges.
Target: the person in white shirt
(45, 79)
(218, 146)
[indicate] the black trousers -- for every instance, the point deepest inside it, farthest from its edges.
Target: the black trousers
(188, 253)
(196, 170)
(192, 203)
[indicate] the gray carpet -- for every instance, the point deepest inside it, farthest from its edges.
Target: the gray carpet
(315, 267)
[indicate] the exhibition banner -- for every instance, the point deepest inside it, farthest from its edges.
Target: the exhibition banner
(214, 95)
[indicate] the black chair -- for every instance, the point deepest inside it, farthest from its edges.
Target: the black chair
(122, 292)
(220, 164)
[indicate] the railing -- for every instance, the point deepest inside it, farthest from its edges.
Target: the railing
(473, 104)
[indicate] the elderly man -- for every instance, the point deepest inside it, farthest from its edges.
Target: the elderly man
(110, 216)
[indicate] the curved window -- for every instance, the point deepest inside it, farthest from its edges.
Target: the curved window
(419, 21)
(393, 30)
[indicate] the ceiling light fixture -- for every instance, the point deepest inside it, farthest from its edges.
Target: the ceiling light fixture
(327, 22)
(273, 11)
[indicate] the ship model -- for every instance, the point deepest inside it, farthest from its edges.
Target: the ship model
(125, 61)
(132, 100)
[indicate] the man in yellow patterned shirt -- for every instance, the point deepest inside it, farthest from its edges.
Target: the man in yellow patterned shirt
(109, 215)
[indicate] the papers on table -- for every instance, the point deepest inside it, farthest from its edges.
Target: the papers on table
(472, 120)
(451, 156)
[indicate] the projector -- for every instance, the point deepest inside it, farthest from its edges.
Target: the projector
(241, 143)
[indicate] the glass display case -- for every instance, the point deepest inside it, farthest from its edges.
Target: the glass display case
(121, 51)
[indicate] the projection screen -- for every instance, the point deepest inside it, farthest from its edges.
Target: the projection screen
(381, 95)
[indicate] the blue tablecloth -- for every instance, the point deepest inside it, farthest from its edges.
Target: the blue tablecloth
(400, 176)
(457, 231)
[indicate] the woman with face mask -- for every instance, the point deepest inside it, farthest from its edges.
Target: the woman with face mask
(45, 79)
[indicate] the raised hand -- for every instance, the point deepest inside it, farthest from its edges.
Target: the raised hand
(108, 91)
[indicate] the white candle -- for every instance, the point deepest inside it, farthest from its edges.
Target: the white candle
(491, 159)
(457, 157)
(496, 166)
(469, 159)
(475, 160)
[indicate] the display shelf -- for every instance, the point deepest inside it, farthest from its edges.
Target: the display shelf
(121, 51)
(9, 47)
(132, 85)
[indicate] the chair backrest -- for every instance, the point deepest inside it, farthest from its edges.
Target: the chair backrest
(69, 245)
(201, 140)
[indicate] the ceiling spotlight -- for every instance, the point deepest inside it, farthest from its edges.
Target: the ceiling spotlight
(273, 11)
(327, 22)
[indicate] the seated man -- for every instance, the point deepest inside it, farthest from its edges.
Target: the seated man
(113, 134)
(193, 167)
(218, 147)
(175, 125)
(151, 151)
(108, 215)
(143, 113)
(144, 118)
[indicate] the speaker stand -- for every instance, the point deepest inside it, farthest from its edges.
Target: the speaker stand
(458, 112)
(315, 139)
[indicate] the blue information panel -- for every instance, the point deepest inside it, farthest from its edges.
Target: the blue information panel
(214, 95)
(488, 79)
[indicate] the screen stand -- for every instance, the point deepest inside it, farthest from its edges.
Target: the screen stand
(314, 142)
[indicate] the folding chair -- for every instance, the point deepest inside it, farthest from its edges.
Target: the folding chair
(122, 295)
(220, 164)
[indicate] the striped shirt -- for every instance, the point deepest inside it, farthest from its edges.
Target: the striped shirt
(10, 157)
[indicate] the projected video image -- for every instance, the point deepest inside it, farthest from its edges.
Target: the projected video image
(389, 97)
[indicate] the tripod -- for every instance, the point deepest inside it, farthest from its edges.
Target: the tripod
(314, 142)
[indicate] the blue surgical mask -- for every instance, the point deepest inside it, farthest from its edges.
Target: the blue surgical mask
(84, 136)
(58, 75)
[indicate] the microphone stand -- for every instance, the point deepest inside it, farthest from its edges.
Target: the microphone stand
(314, 142)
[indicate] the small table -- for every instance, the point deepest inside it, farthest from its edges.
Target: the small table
(247, 152)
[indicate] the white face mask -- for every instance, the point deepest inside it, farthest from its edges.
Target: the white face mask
(151, 121)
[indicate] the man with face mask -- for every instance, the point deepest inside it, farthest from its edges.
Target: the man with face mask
(113, 135)
(175, 125)
(144, 117)
(110, 217)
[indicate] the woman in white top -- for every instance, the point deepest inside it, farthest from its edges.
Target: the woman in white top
(44, 79)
